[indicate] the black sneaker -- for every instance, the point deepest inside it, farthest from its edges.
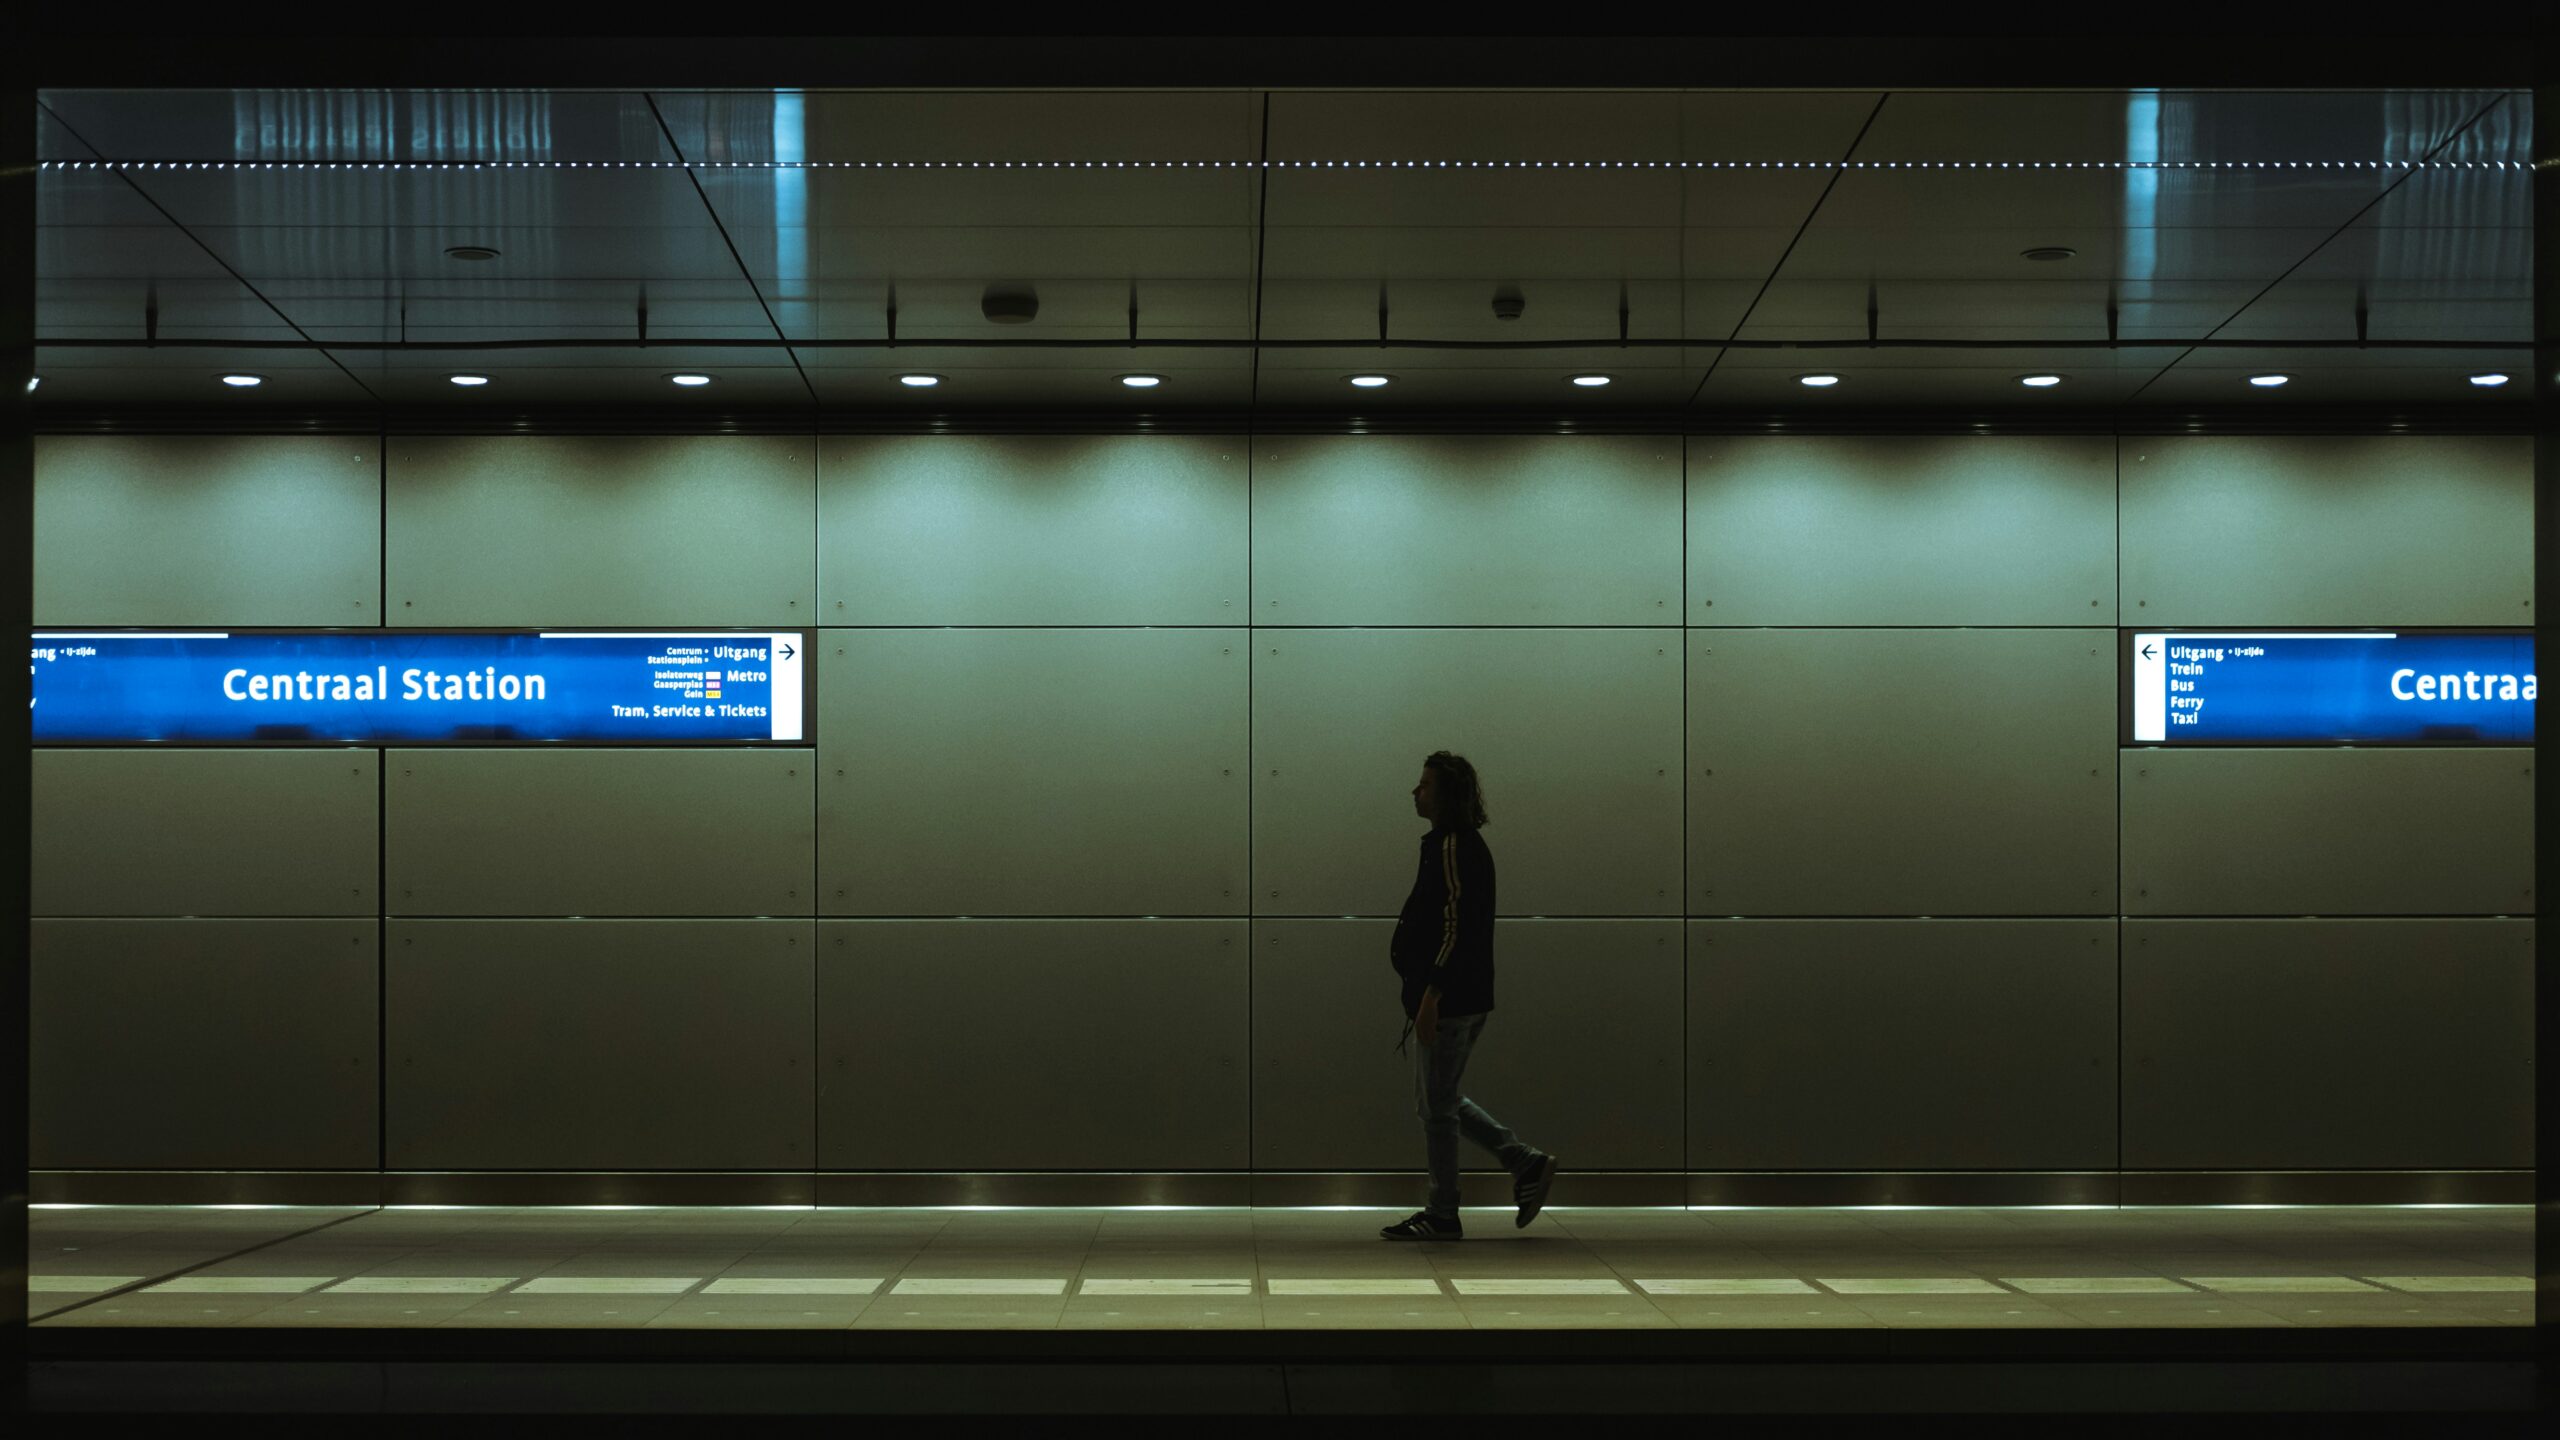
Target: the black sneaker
(1530, 1190)
(1421, 1226)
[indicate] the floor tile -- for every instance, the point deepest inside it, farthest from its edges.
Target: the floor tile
(1141, 1312)
(1381, 1285)
(1909, 1285)
(1167, 1286)
(238, 1285)
(1726, 1287)
(791, 1285)
(1516, 1286)
(421, 1284)
(1010, 1285)
(608, 1285)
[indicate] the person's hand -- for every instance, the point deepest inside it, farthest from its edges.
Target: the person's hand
(1426, 1017)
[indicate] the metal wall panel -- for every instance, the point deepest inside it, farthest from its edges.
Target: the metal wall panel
(205, 530)
(1466, 530)
(2328, 1044)
(1902, 1044)
(1908, 530)
(620, 530)
(1032, 530)
(1575, 735)
(2328, 832)
(204, 832)
(2235, 531)
(1582, 1057)
(1032, 1045)
(1032, 772)
(1902, 772)
(601, 832)
(203, 1044)
(600, 1044)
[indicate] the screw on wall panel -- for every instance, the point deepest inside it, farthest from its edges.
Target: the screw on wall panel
(839, 772)
(1708, 602)
(2142, 602)
(1706, 772)
(1226, 772)
(405, 604)
(839, 654)
(839, 605)
(2093, 602)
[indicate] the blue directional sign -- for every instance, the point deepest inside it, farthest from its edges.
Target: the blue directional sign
(2319, 687)
(407, 687)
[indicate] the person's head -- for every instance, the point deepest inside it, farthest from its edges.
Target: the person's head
(1449, 793)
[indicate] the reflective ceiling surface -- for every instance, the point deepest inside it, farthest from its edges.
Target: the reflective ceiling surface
(1257, 244)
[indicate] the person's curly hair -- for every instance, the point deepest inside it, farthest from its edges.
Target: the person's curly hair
(1460, 793)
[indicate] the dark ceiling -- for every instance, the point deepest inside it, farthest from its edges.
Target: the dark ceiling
(1258, 242)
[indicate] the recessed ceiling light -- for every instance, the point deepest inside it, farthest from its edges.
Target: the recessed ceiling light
(2491, 379)
(920, 382)
(467, 380)
(35, 380)
(244, 382)
(2268, 382)
(2040, 382)
(1591, 382)
(1142, 382)
(469, 252)
(1368, 382)
(2048, 252)
(1818, 382)
(690, 380)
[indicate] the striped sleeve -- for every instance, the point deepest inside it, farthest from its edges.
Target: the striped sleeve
(1449, 906)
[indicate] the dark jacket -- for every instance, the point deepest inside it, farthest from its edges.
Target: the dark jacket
(1444, 938)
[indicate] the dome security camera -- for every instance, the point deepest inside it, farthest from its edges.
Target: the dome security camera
(1009, 302)
(1507, 302)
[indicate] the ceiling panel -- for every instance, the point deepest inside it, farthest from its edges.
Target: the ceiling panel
(1706, 210)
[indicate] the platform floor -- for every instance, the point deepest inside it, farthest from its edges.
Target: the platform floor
(1048, 1269)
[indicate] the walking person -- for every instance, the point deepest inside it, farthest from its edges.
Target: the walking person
(1443, 950)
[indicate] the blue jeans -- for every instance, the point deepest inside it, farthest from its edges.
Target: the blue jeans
(1445, 1112)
